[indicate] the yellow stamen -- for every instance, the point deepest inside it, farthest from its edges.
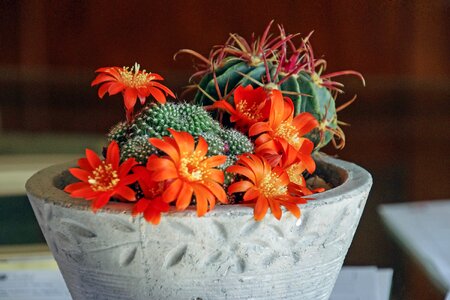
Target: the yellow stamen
(192, 167)
(294, 172)
(155, 190)
(289, 132)
(271, 186)
(104, 178)
(251, 112)
(133, 77)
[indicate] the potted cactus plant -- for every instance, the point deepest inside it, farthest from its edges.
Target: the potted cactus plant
(182, 197)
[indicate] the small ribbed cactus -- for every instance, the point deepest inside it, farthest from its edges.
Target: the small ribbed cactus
(275, 64)
(155, 119)
(235, 142)
(139, 148)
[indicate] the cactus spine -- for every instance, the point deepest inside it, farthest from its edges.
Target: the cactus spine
(268, 62)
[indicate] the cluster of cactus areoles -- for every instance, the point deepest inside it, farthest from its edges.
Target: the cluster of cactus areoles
(154, 120)
(274, 62)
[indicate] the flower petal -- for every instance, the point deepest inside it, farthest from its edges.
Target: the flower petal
(93, 158)
(260, 209)
(185, 197)
(215, 161)
(242, 171)
(239, 187)
(184, 140)
(101, 201)
(251, 194)
(140, 206)
(217, 190)
(166, 147)
(112, 155)
(275, 209)
(158, 95)
(76, 186)
(83, 175)
(171, 193)
(126, 193)
(130, 97)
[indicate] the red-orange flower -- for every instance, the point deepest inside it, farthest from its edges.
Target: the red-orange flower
(151, 204)
(188, 172)
(282, 130)
(250, 106)
(133, 83)
(264, 184)
(103, 179)
(294, 165)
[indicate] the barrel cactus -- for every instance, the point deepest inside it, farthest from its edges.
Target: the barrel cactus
(155, 119)
(274, 63)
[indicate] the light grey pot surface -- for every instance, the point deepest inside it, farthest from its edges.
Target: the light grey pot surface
(223, 255)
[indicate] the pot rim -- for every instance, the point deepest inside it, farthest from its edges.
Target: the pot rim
(355, 180)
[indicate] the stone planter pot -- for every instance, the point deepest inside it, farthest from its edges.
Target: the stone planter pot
(223, 255)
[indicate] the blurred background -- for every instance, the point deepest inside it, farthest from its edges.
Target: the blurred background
(400, 123)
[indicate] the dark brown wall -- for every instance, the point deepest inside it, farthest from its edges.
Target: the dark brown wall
(400, 122)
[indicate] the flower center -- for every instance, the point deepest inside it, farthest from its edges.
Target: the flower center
(135, 78)
(250, 112)
(289, 132)
(192, 168)
(271, 185)
(154, 190)
(294, 172)
(104, 178)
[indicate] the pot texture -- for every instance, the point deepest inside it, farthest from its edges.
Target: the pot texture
(223, 255)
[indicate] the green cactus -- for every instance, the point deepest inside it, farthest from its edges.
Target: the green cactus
(138, 147)
(118, 133)
(216, 145)
(267, 62)
(154, 120)
(236, 142)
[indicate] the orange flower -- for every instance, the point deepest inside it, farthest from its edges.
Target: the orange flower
(294, 165)
(250, 106)
(282, 130)
(103, 179)
(188, 171)
(151, 204)
(133, 83)
(266, 185)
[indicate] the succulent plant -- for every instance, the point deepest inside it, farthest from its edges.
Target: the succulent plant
(275, 63)
(155, 119)
(235, 142)
(138, 147)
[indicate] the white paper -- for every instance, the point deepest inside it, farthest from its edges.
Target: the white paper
(32, 278)
(33, 285)
(424, 229)
(362, 283)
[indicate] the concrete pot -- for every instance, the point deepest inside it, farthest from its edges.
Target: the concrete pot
(223, 255)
